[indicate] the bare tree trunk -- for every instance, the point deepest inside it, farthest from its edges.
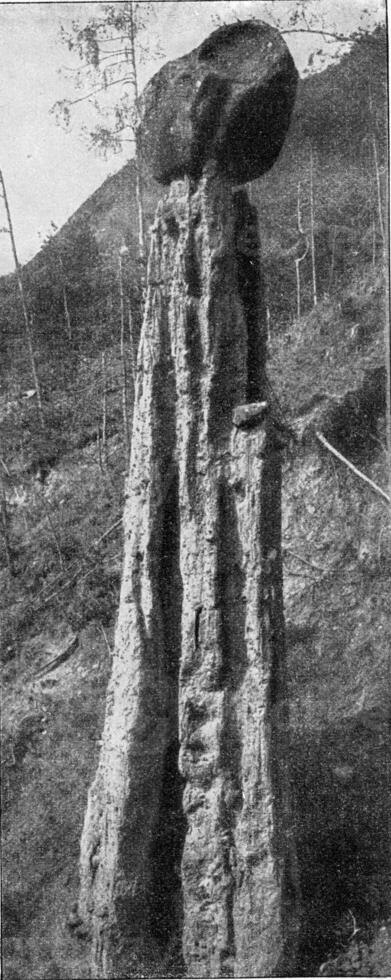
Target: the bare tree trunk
(378, 187)
(387, 347)
(123, 361)
(5, 530)
(388, 394)
(377, 170)
(298, 310)
(65, 301)
(332, 257)
(131, 348)
(299, 258)
(104, 408)
(314, 286)
(386, 251)
(140, 203)
(268, 324)
(27, 324)
(139, 182)
(54, 534)
(99, 444)
(66, 311)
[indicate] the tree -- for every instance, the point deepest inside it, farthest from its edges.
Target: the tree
(377, 168)
(125, 417)
(66, 281)
(299, 256)
(26, 315)
(313, 262)
(305, 17)
(110, 47)
(5, 523)
(54, 265)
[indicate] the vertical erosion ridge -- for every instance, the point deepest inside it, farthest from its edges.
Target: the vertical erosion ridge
(187, 845)
(133, 829)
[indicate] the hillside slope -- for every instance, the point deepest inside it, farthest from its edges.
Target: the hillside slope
(337, 580)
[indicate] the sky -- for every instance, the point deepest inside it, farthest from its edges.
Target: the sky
(48, 171)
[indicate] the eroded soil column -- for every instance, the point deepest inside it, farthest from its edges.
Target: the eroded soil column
(188, 832)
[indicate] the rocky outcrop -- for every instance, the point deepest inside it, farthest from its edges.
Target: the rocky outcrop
(230, 100)
(188, 841)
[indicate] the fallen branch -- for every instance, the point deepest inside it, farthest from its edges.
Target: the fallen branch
(103, 631)
(109, 531)
(49, 586)
(54, 535)
(78, 569)
(62, 587)
(5, 467)
(60, 659)
(305, 560)
(74, 577)
(354, 924)
(350, 466)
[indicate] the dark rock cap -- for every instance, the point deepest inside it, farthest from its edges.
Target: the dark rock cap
(230, 100)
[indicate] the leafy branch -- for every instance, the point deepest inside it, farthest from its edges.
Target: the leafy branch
(110, 48)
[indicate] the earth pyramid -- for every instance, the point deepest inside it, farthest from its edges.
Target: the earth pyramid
(188, 848)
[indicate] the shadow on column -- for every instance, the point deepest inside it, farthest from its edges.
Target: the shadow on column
(165, 911)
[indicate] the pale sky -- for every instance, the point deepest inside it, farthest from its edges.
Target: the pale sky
(50, 172)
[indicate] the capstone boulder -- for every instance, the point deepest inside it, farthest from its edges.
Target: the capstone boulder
(229, 100)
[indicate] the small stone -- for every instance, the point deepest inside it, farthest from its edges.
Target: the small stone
(74, 920)
(248, 416)
(230, 101)
(343, 773)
